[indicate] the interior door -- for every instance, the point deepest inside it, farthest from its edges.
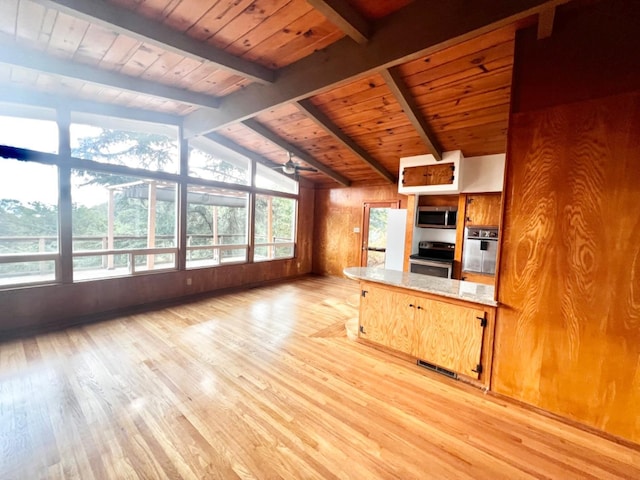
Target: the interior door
(374, 233)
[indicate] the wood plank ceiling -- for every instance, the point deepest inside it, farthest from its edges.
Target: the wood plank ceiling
(154, 61)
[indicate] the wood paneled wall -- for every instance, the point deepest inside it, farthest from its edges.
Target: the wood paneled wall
(32, 308)
(338, 212)
(568, 327)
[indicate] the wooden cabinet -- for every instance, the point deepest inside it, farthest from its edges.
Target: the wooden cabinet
(425, 175)
(389, 318)
(450, 336)
(445, 334)
(483, 209)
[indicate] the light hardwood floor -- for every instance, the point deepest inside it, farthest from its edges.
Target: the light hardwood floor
(264, 384)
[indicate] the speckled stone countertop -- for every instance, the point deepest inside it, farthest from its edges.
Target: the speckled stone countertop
(458, 289)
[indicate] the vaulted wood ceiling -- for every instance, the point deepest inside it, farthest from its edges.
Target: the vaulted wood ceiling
(353, 85)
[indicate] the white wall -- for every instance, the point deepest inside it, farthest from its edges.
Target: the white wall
(483, 174)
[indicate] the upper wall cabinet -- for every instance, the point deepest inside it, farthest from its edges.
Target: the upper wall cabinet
(427, 175)
(424, 175)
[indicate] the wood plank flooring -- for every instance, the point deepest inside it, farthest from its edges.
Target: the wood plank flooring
(264, 384)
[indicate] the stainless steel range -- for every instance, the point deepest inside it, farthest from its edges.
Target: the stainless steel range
(433, 258)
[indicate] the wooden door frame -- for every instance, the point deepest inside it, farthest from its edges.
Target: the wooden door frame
(366, 207)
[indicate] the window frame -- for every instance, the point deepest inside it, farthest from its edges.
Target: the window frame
(65, 162)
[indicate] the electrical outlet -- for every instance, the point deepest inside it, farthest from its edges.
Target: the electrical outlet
(189, 281)
(356, 229)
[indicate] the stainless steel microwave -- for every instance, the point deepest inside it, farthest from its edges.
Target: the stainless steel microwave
(437, 217)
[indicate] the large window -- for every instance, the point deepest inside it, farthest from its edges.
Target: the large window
(271, 179)
(39, 133)
(144, 145)
(217, 222)
(28, 222)
(274, 228)
(128, 194)
(212, 162)
(122, 225)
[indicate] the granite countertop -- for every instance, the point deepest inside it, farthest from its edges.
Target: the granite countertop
(458, 289)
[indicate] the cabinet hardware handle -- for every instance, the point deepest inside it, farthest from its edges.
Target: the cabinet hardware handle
(419, 307)
(411, 305)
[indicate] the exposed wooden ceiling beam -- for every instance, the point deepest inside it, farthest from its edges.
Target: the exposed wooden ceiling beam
(130, 24)
(412, 32)
(301, 154)
(545, 22)
(11, 54)
(22, 96)
(331, 128)
(345, 17)
(403, 96)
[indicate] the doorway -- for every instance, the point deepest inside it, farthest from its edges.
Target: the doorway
(374, 232)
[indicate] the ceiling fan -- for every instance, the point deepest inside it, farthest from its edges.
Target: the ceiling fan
(291, 168)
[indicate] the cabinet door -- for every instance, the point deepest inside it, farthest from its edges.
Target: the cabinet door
(387, 318)
(414, 176)
(483, 209)
(437, 174)
(449, 336)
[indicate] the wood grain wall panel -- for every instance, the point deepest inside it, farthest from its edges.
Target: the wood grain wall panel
(337, 212)
(58, 305)
(568, 332)
(571, 263)
(557, 84)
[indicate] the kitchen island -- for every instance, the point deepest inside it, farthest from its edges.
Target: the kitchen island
(445, 325)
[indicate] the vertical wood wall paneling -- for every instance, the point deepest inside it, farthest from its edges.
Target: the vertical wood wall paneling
(568, 332)
(337, 212)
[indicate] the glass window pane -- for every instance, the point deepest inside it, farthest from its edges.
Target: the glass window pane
(211, 161)
(275, 224)
(114, 212)
(158, 261)
(271, 179)
(125, 142)
(28, 207)
(216, 216)
(28, 220)
(39, 135)
(27, 272)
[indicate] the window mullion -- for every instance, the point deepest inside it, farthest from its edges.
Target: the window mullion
(65, 221)
(182, 200)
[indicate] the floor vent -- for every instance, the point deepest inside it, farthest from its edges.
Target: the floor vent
(437, 369)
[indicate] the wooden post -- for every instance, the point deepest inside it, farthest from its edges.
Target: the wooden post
(151, 224)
